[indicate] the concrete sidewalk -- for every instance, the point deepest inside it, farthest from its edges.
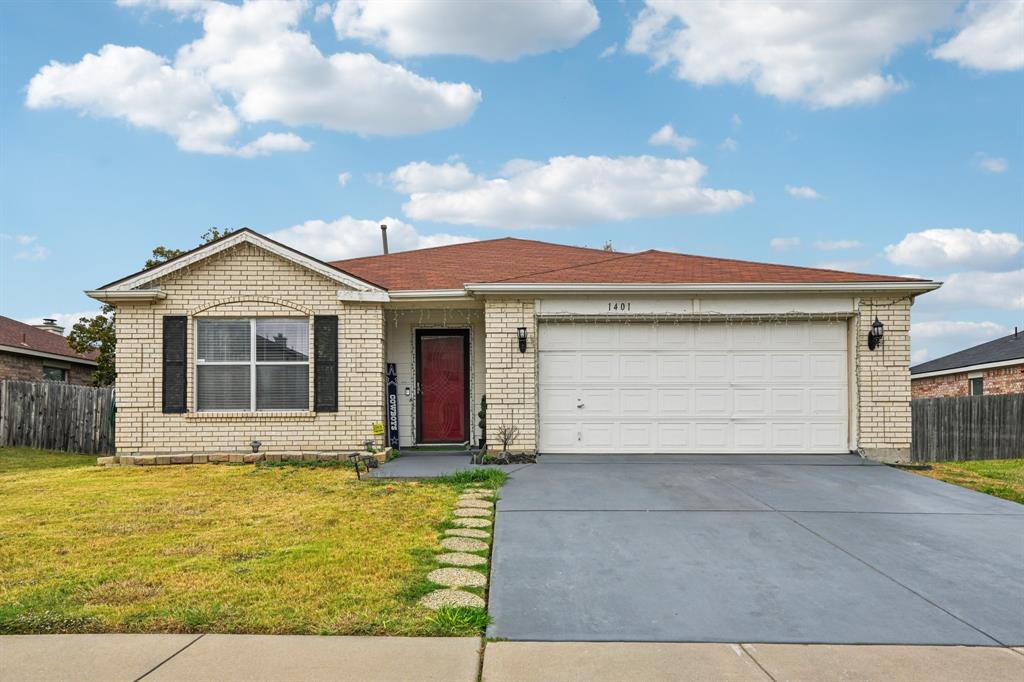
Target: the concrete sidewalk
(665, 662)
(225, 658)
(284, 658)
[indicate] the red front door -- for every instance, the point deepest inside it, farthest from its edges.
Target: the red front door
(441, 359)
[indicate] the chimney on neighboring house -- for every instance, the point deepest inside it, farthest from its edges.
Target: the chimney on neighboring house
(50, 325)
(384, 237)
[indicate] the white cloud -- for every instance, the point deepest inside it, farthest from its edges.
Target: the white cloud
(322, 11)
(784, 243)
(27, 248)
(574, 190)
(850, 265)
(667, 136)
(274, 142)
(251, 65)
(609, 51)
(1004, 290)
(919, 356)
(992, 164)
(66, 320)
(937, 248)
(343, 178)
(976, 331)
(991, 40)
(729, 145)
(495, 30)
(736, 121)
(275, 73)
(349, 237)
(802, 192)
(182, 7)
(142, 88)
(827, 54)
(414, 178)
(827, 245)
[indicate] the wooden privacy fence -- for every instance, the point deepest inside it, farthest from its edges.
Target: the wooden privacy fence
(968, 427)
(51, 415)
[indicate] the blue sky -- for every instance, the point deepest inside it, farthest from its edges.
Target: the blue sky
(867, 137)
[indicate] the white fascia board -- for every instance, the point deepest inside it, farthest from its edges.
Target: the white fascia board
(48, 356)
(377, 296)
(968, 368)
(428, 294)
(117, 296)
(901, 287)
(235, 239)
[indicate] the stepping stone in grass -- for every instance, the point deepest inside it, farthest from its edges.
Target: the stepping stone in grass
(472, 522)
(461, 559)
(439, 598)
(468, 533)
(479, 491)
(464, 545)
(457, 577)
(472, 512)
(478, 504)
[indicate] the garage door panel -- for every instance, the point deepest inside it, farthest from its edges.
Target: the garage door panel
(559, 401)
(598, 366)
(559, 366)
(673, 402)
(674, 336)
(711, 367)
(692, 387)
(636, 366)
(674, 367)
(636, 402)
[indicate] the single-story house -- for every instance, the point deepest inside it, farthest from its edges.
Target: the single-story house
(581, 350)
(41, 353)
(991, 368)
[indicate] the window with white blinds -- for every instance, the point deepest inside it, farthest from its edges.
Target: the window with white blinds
(252, 365)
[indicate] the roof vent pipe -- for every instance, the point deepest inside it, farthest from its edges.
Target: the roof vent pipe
(384, 237)
(50, 325)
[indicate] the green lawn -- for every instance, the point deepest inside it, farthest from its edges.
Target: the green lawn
(1000, 477)
(303, 549)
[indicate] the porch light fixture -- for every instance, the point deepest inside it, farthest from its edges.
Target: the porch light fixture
(521, 333)
(875, 334)
(255, 445)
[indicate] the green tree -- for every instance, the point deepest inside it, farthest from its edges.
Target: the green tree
(98, 333)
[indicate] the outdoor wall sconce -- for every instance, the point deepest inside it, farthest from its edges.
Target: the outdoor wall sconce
(407, 391)
(521, 333)
(255, 445)
(875, 334)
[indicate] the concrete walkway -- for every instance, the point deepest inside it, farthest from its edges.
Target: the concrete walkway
(259, 658)
(224, 658)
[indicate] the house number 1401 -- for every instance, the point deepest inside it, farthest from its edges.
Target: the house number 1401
(619, 307)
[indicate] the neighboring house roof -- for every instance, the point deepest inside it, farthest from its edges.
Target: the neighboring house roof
(511, 260)
(18, 337)
(1007, 350)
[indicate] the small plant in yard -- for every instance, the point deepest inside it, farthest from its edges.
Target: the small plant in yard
(490, 478)
(454, 621)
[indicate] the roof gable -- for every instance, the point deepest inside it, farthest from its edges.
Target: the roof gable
(243, 236)
(1003, 349)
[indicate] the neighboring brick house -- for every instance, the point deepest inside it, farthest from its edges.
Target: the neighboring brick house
(41, 353)
(582, 350)
(992, 368)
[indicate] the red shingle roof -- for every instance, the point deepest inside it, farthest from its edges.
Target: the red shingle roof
(511, 260)
(26, 337)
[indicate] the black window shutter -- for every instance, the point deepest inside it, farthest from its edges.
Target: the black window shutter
(175, 356)
(325, 363)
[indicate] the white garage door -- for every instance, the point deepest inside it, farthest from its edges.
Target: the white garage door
(693, 388)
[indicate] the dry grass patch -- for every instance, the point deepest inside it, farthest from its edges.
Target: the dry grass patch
(259, 549)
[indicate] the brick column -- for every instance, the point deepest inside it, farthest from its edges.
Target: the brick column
(361, 368)
(883, 381)
(511, 376)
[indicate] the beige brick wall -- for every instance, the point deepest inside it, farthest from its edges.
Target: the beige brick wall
(883, 380)
(245, 281)
(511, 376)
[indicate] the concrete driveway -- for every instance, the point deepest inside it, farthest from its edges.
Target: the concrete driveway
(820, 549)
